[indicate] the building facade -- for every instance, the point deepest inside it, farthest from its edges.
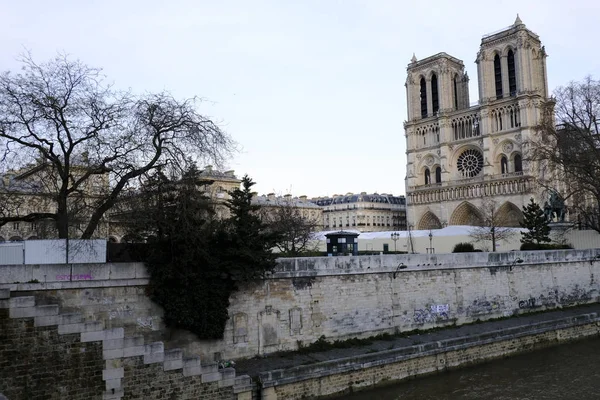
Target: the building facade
(290, 207)
(459, 155)
(32, 189)
(363, 212)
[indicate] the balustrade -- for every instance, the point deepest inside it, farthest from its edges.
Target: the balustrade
(513, 185)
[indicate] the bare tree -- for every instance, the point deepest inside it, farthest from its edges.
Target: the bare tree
(90, 141)
(566, 148)
(295, 231)
(493, 226)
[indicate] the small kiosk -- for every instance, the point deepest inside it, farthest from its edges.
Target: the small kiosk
(342, 243)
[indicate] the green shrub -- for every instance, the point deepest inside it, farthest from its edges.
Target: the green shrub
(545, 246)
(463, 248)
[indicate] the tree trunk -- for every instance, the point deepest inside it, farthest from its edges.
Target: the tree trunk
(62, 217)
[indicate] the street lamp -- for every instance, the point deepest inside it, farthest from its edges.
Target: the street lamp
(518, 260)
(430, 242)
(395, 236)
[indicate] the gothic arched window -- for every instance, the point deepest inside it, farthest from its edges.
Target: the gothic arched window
(518, 163)
(423, 98)
(512, 77)
(438, 175)
(504, 165)
(455, 83)
(435, 100)
(427, 176)
(498, 76)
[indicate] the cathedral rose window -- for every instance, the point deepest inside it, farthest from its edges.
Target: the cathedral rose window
(470, 163)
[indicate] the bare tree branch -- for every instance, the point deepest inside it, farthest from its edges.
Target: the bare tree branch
(92, 140)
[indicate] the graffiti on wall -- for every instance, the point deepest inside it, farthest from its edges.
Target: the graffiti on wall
(435, 313)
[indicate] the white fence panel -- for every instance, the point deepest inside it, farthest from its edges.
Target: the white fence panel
(51, 251)
(55, 251)
(11, 253)
(87, 251)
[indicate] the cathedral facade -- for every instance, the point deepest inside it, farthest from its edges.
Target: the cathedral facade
(461, 157)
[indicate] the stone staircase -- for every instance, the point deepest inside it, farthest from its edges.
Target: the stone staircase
(116, 347)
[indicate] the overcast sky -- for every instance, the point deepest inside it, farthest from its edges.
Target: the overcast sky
(313, 91)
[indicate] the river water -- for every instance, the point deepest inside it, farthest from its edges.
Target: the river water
(570, 371)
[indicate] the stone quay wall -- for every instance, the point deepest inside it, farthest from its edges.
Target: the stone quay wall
(365, 371)
(335, 297)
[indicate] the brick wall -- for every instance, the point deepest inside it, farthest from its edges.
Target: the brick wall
(35, 363)
(49, 354)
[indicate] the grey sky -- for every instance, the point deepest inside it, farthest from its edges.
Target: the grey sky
(312, 90)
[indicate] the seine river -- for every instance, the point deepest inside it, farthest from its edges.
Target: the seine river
(570, 371)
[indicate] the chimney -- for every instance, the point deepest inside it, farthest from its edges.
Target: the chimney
(208, 168)
(271, 196)
(303, 197)
(230, 173)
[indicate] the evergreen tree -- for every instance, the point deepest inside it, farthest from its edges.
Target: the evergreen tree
(186, 276)
(246, 242)
(535, 221)
(197, 262)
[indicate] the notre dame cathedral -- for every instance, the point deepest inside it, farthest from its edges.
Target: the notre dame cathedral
(458, 154)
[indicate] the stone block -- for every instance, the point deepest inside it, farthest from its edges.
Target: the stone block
(154, 353)
(173, 359)
(113, 394)
(211, 377)
(43, 311)
(111, 354)
(113, 373)
(156, 347)
(226, 382)
(112, 344)
(113, 384)
(154, 358)
(93, 326)
(107, 334)
(4, 293)
(4, 303)
(227, 373)
(172, 365)
(122, 271)
(174, 354)
(243, 380)
(133, 341)
(134, 351)
(192, 366)
(22, 301)
(70, 328)
(210, 368)
(22, 312)
(47, 320)
(71, 318)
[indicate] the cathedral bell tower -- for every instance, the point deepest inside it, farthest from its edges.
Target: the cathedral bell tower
(461, 156)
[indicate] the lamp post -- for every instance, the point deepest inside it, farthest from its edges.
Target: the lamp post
(395, 236)
(430, 242)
